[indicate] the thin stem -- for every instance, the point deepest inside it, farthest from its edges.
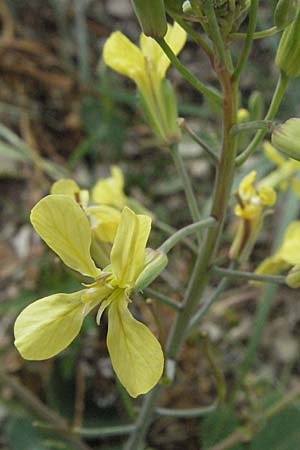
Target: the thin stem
(186, 413)
(194, 35)
(186, 181)
(201, 275)
(217, 372)
(238, 275)
(207, 91)
(266, 125)
(275, 103)
(184, 126)
(163, 298)
(224, 283)
(214, 30)
(171, 230)
(34, 404)
(186, 231)
(249, 38)
(257, 35)
(104, 432)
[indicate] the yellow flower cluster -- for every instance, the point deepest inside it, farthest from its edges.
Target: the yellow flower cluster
(252, 200)
(251, 208)
(50, 324)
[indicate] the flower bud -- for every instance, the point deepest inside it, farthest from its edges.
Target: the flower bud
(285, 12)
(286, 138)
(288, 52)
(155, 263)
(293, 277)
(151, 16)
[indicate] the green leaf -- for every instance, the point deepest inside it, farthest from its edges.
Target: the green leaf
(217, 426)
(281, 432)
(21, 435)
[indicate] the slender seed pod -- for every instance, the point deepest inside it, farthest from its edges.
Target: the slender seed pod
(151, 16)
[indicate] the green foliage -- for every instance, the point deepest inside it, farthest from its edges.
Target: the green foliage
(217, 426)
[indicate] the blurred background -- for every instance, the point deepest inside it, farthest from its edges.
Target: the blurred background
(64, 114)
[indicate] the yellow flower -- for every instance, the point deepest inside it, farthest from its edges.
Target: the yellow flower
(285, 173)
(146, 65)
(252, 200)
(144, 62)
(49, 325)
(110, 191)
(287, 255)
(251, 210)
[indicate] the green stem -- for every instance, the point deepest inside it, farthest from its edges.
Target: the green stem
(237, 275)
(193, 34)
(186, 413)
(171, 230)
(186, 181)
(266, 125)
(257, 35)
(201, 274)
(249, 38)
(105, 432)
(163, 298)
(186, 231)
(207, 303)
(217, 372)
(41, 410)
(207, 91)
(214, 30)
(183, 125)
(275, 103)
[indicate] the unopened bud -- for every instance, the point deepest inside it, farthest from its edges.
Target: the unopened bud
(151, 16)
(288, 52)
(285, 12)
(155, 263)
(293, 277)
(286, 138)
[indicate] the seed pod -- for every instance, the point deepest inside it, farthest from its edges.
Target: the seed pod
(170, 109)
(155, 263)
(288, 52)
(293, 277)
(256, 106)
(151, 16)
(285, 12)
(286, 138)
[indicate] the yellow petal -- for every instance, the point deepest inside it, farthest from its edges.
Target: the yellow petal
(176, 38)
(63, 225)
(106, 222)
(122, 55)
(110, 191)
(48, 326)
(128, 252)
(272, 266)
(267, 195)
(65, 186)
(273, 154)
(290, 249)
(246, 189)
(135, 353)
